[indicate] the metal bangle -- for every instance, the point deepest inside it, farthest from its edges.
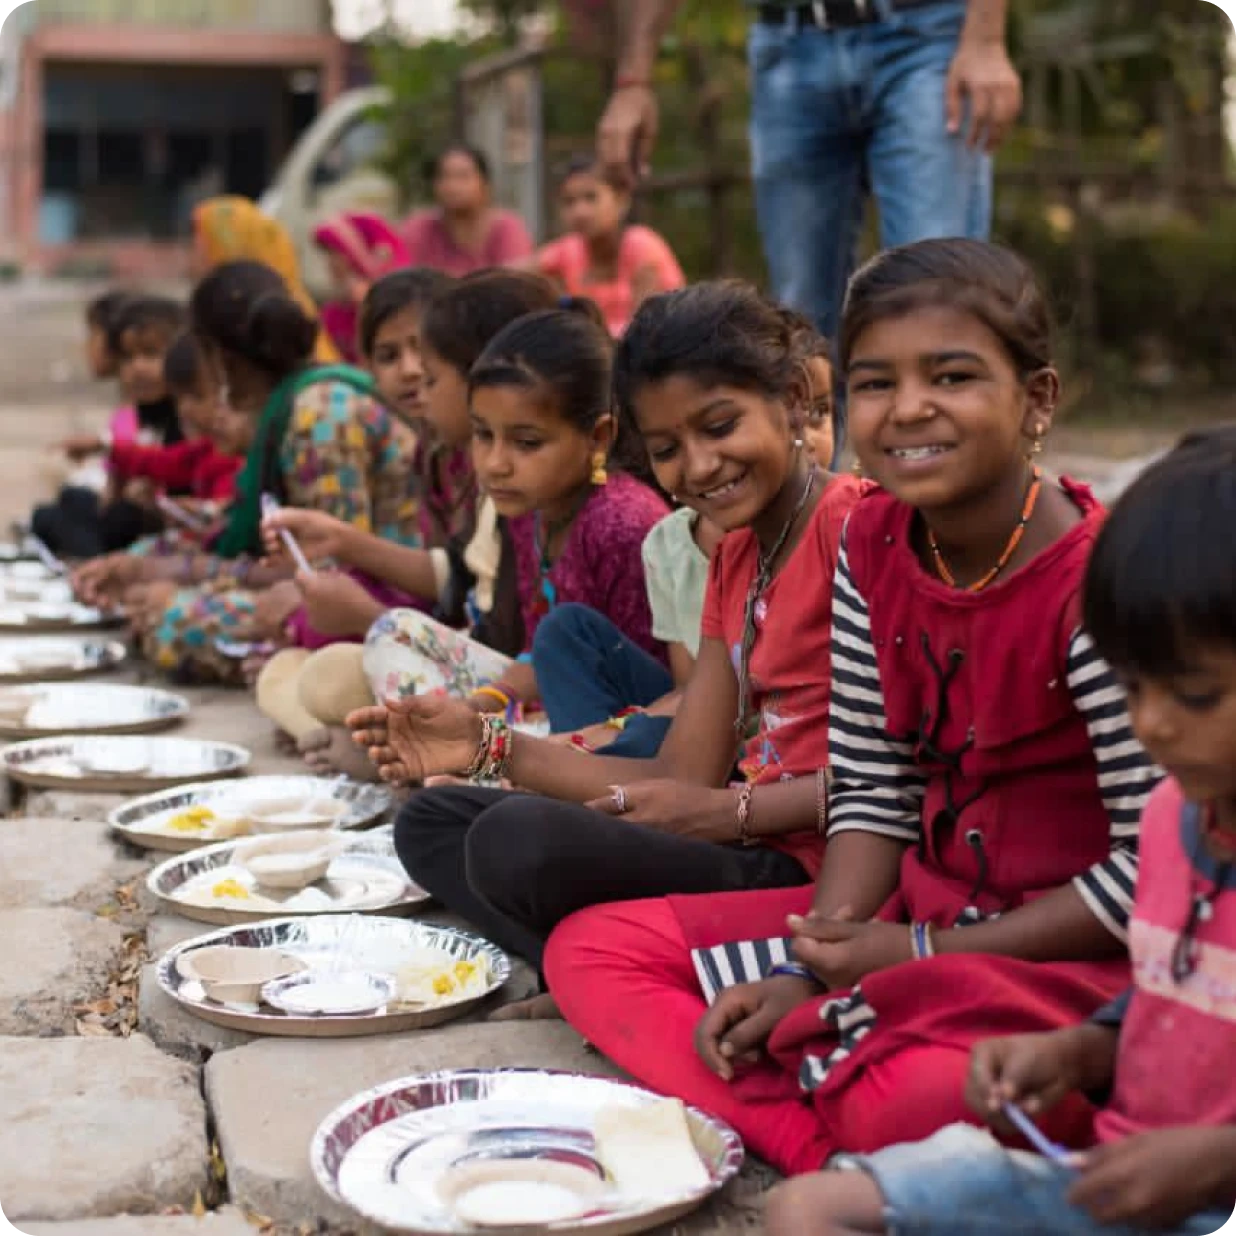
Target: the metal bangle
(791, 969)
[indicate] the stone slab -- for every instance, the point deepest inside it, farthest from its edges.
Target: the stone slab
(68, 804)
(51, 960)
(226, 1222)
(175, 1029)
(61, 862)
(93, 1127)
(165, 931)
(267, 1099)
(266, 1141)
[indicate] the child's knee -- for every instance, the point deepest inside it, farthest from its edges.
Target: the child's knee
(825, 1204)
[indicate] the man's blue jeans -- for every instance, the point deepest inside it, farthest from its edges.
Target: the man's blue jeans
(839, 113)
(587, 670)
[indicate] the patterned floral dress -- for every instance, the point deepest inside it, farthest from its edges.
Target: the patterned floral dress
(342, 454)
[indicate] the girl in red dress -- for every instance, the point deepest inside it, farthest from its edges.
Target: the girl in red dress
(986, 787)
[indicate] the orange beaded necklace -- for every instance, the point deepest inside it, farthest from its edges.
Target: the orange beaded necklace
(1027, 509)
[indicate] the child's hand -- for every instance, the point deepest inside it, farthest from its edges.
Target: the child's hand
(102, 581)
(841, 953)
(82, 445)
(736, 1028)
(336, 604)
(274, 609)
(418, 737)
(1157, 1180)
(1036, 1071)
(140, 491)
(319, 535)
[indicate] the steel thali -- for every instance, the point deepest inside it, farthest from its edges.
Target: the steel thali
(365, 876)
(386, 1152)
(337, 942)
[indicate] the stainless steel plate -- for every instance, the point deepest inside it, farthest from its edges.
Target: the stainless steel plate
(385, 1152)
(367, 878)
(47, 612)
(140, 821)
(32, 658)
(87, 708)
(338, 941)
(120, 765)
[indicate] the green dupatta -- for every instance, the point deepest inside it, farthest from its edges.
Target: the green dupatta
(260, 474)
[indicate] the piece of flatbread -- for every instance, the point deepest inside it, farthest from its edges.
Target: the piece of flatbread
(648, 1151)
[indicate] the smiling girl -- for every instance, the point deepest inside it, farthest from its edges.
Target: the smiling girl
(986, 786)
(711, 379)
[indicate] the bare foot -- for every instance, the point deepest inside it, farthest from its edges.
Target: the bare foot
(331, 751)
(538, 1008)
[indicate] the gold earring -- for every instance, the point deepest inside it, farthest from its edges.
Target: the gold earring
(599, 472)
(1036, 447)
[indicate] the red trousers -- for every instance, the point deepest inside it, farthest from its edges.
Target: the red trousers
(623, 977)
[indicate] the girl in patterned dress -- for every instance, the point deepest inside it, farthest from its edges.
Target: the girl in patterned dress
(318, 439)
(986, 787)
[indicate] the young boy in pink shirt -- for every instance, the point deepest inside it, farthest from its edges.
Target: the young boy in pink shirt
(1161, 607)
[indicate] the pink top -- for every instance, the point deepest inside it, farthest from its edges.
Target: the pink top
(1173, 1062)
(601, 564)
(430, 243)
(123, 425)
(646, 264)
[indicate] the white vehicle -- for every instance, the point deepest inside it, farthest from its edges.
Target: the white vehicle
(332, 168)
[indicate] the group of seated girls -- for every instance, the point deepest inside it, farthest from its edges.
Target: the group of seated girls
(898, 810)
(162, 460)
(844, 778)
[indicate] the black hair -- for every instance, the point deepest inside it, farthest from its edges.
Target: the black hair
(184, 367)
(588, 165)
(479, 160)
(101, 311)
(142, 312)
(391, 295)
(459, 323)
(245, 308)
(993, 283)
(810, 344)
(1160, 576)
(568, 352)
(720, 333)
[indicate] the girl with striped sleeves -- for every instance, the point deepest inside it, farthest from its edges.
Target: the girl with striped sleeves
(986, 786)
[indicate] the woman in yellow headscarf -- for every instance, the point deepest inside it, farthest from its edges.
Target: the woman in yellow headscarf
(232, 229)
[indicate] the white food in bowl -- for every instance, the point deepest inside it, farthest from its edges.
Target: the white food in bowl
(235, 975)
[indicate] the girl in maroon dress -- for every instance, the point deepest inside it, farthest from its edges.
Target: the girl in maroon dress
(986, 787)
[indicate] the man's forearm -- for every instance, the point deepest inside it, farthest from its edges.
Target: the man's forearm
(986, 22)
(640, 30)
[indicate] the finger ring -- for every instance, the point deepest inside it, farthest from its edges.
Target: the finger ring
(619, 796)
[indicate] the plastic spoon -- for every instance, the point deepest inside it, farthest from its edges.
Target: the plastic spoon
(1036, 1137)
(46, 557)
(270, 506)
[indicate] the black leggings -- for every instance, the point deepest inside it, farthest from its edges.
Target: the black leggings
(515, 865)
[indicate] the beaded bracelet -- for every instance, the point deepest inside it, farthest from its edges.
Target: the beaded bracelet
(921, 944)
(823, 780)
(791, 969)
(493, 752)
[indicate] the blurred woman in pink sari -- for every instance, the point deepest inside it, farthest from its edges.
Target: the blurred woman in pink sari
(360, 248)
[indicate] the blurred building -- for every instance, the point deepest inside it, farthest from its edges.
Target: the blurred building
(118, 116)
